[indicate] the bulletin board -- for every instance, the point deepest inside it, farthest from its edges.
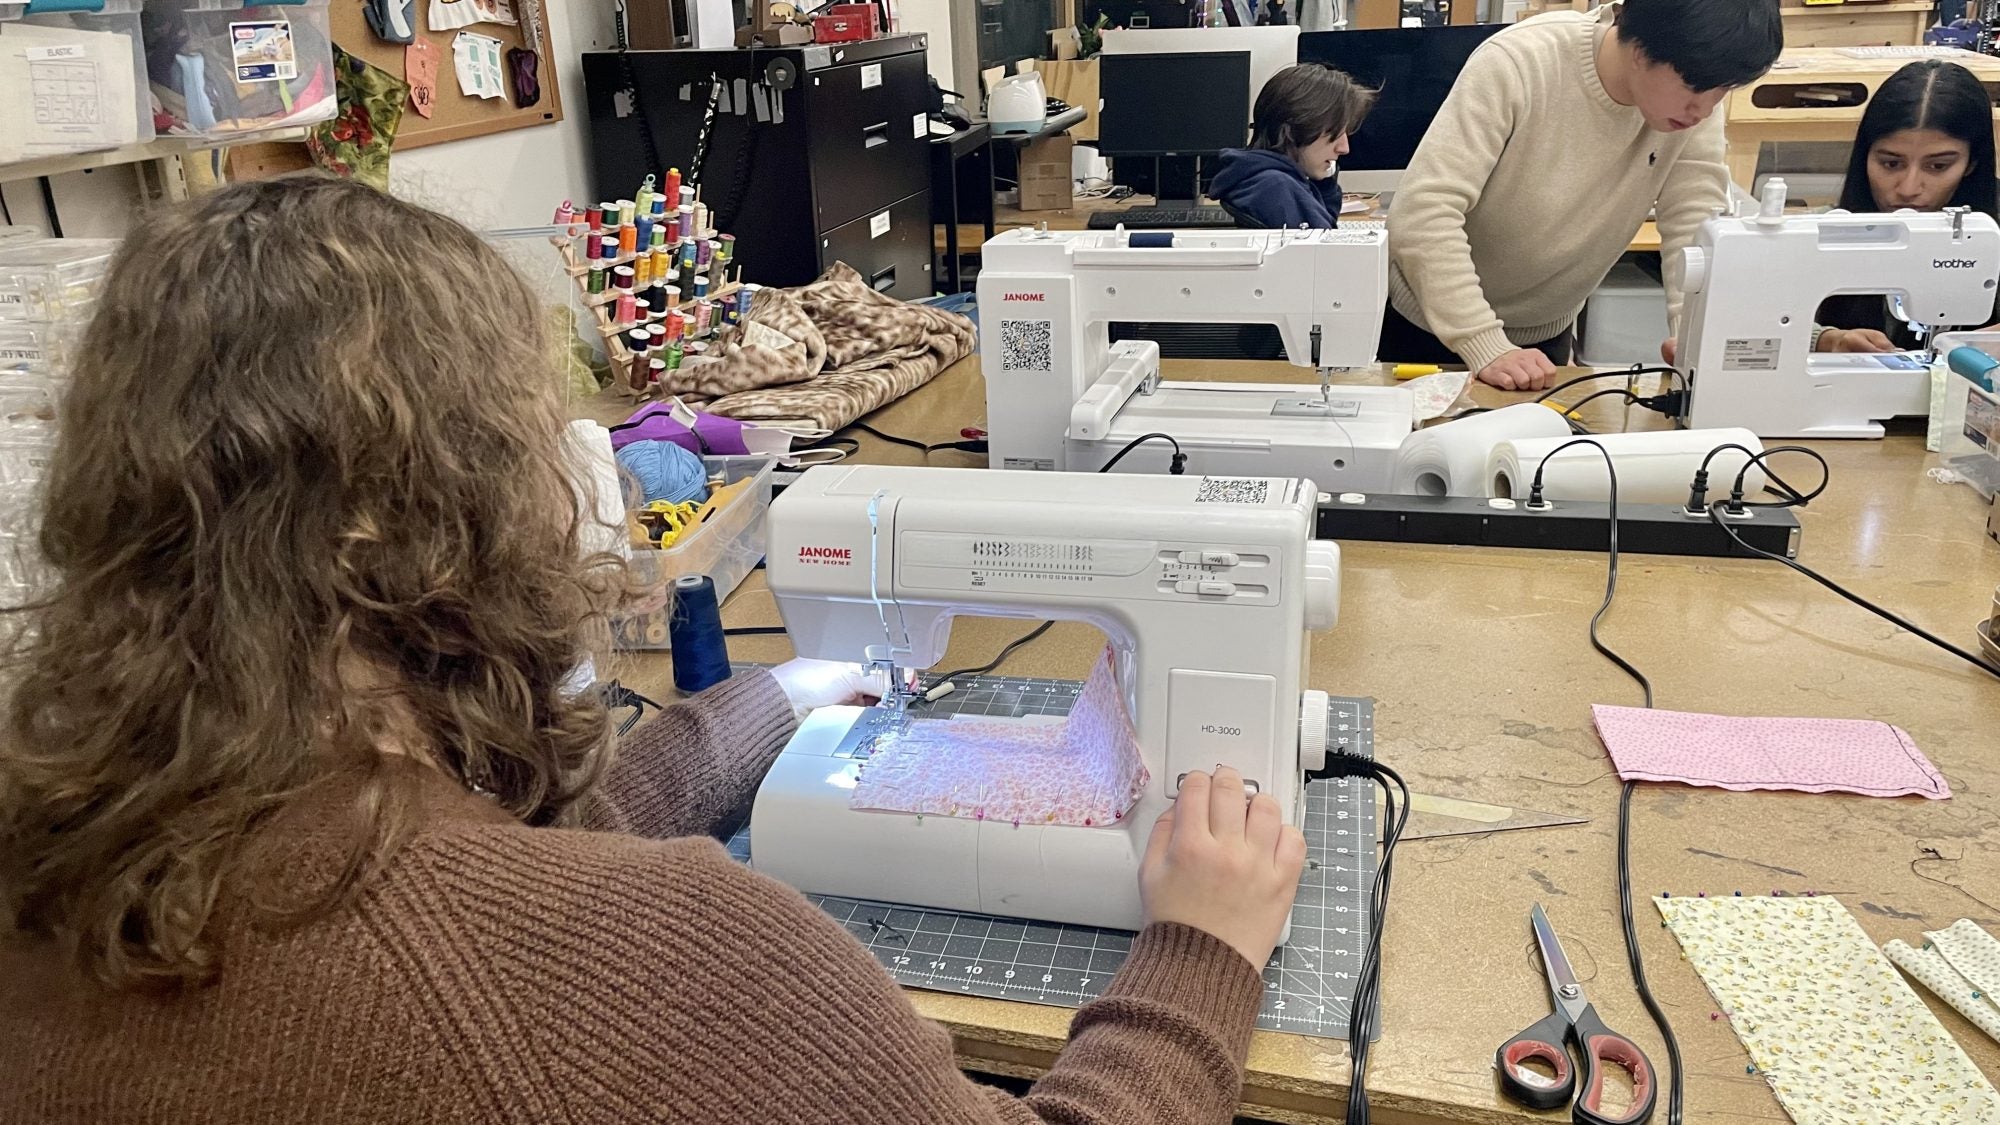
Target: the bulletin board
(454, 116)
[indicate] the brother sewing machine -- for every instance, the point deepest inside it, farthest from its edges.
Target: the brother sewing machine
(1205, 588)
(1753, 283)
(1060, 395)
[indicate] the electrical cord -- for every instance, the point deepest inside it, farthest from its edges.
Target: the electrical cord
(1631, 372)
(1632, 954)
(1368, 985)
(49, 201)
(616, 695)
(970, 445)
(1177, 466)
(1718, 513)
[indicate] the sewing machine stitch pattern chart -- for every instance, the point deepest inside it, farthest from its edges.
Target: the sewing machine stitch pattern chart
(65, 90)
(1309, 983)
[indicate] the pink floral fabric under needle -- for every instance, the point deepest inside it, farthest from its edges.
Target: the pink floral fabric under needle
(1083, 771)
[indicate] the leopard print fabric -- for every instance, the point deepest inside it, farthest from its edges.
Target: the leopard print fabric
(825, 354)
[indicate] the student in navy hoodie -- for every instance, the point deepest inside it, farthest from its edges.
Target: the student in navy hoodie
(1286, 177)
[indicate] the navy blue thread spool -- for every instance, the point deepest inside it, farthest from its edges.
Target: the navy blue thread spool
(694, 633)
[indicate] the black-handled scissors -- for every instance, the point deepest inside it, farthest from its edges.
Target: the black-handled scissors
(1574, 1023)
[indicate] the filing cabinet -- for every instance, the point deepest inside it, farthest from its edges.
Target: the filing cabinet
(818, 152)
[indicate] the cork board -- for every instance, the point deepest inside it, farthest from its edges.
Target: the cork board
(454, 116)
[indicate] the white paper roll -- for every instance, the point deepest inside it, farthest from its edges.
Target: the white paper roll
(1654, 467)
(1450, 459)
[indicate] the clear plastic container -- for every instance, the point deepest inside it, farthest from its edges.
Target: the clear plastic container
(53, 281)
(225, 70)
(72, 78)
(726, 548)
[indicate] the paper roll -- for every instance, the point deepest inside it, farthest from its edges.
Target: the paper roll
(1450, 459)
(1654, 467)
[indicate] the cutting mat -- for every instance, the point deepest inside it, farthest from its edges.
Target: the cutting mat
(1309, 982)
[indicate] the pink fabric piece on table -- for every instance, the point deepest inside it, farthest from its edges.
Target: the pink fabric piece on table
(1084, 771)
(1811, 755)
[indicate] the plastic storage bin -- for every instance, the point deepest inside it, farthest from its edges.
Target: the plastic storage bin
(72, 78)
(1624, 321)
(726, 548)
(52, 280)
(224, 70)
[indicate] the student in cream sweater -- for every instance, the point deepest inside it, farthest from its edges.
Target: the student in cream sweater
(1558, 138)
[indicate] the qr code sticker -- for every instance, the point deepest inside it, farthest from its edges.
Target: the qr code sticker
(1025, 345)
(1232, 490)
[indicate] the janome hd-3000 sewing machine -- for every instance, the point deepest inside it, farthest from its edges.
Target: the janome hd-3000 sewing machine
(1060, 395)
(1753, 283)
(1205, 588)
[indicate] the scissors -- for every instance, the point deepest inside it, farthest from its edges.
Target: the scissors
(1574, 1022)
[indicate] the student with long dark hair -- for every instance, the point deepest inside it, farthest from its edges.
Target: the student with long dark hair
(1925, 142)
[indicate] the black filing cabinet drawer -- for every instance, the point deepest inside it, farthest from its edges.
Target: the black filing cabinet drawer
(870, 143)
(890, 248)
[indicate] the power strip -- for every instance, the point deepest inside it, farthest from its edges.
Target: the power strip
(1564, 525)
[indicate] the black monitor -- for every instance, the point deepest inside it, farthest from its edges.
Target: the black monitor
(1184, 105)
(1174, 104)
(1411, 68)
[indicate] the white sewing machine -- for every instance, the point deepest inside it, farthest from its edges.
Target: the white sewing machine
(1205, 589)
(1753, 283)
(1060, 395)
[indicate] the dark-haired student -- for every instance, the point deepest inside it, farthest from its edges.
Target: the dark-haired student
(1925, 143)
(1298, 133)
(1561, 134)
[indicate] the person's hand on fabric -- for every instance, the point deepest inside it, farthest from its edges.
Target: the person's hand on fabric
(1856, 340)
(1223, 864)
(812, 684)
(1523, 369)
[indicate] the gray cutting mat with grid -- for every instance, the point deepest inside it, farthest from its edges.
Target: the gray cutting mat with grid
(1308, 984)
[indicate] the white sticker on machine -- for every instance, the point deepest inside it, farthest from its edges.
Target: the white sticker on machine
(1750, 353)
(1233, 490)
(871, 76)
(1035, 464)
(879, 225)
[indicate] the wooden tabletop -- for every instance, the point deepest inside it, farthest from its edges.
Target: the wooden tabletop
(1077, 217)
(1483, 677)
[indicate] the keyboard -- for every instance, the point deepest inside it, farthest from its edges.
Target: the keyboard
(1905, 52)
(1162, 218)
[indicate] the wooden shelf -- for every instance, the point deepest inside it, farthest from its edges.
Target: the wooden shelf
(159, 149)
(1853, 9)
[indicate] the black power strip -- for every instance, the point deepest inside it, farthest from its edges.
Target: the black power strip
(1563, 525)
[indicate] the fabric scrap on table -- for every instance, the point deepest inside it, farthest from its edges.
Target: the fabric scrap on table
(1840, 1038)
(824, 353)
(1861, 756)
(1961, 966)
(1083, 771)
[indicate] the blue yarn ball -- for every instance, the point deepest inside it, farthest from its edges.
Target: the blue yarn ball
(665, 471)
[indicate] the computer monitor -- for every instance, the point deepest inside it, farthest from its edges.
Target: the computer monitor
(1412, 69)
(1188, 104)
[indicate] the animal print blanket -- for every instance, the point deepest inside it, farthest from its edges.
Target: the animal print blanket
(825, 353)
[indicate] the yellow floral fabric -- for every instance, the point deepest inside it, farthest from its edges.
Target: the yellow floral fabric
(1961, 965)
(1841, 1038)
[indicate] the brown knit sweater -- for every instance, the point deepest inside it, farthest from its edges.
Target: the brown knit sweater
(497, 972)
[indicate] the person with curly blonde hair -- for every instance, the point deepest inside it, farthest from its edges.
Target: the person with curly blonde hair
(299, 821)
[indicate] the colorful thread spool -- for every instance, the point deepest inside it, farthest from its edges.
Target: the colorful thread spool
(673, 296)
(725, 250)
(628, 238)
(625, 212)
(656, 370)
(704, 253)
(597, 279)
(658, 335)
(626, 311)
(704, 315)
(607, 245)
(694, 632)
(700, 287)
(622, 276)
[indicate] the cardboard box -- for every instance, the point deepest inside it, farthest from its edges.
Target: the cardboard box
(1045, 172)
